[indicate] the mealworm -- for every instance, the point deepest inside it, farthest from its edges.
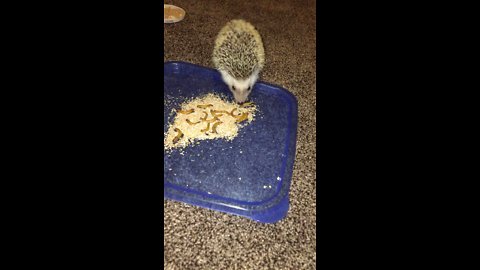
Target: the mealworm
(213, 120)
(187, 112)
(192, 123)
(242, 118)
(248, 104)
(204, 106)
(218, 113)
(206, 129)
(178, 137)
(233, 111)
(214, 128)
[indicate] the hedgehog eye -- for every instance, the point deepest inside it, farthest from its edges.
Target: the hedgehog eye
(249, 88)
(233, 87)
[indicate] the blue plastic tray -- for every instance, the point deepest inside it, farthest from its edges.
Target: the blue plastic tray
(249, 176)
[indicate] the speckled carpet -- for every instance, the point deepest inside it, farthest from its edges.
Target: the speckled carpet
(196, 238)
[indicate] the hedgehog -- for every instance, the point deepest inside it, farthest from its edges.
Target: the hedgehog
(239, 56)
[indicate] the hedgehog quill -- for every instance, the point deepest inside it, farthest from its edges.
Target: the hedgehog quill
(239, 56)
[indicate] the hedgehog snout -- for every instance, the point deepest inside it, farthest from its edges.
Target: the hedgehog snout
(240, 95)
(240, 88)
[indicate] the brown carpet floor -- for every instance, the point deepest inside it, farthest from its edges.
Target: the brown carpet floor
(196, 238)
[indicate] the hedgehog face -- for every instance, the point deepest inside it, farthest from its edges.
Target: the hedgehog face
(240, 89)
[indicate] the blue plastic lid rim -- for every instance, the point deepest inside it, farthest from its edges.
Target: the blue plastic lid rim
(267, 211)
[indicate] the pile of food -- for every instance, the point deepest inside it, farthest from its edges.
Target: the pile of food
(206, 118)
